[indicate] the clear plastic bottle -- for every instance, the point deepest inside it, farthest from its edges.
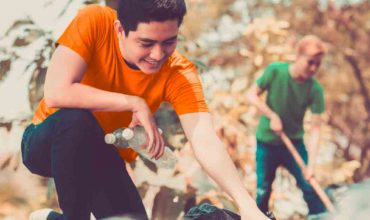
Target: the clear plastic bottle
(136, 138)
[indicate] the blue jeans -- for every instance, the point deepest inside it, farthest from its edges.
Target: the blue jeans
(89, 175)
(268, 158)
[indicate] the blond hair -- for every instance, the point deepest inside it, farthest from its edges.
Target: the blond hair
(311, 41)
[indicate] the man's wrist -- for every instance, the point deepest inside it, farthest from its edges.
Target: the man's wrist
(246, 204)
(133, 102)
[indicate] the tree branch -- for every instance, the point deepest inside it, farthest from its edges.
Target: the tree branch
(358, 74)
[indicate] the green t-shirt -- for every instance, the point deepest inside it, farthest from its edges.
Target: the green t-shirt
(289, 99)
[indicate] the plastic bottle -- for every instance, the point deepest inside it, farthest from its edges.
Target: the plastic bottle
(136, 138)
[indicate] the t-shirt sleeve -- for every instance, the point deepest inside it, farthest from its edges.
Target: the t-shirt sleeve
(318, 103)
(82, 34)
(184, 90)
(264, 81)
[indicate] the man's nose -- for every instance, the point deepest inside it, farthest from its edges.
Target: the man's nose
(313, 68)
(157, 53)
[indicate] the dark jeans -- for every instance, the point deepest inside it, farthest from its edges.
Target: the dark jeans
(88, 173)
(268, 158)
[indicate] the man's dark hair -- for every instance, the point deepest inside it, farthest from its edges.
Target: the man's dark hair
(131, 12)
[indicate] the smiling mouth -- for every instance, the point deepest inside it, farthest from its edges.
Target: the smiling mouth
(310, 74)
(153, 63)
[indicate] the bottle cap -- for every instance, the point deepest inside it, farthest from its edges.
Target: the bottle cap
(128, 133)
(110, 138)
(160, 131)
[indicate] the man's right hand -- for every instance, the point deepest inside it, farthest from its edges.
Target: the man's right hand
(253, 214)
(141, 115)
(275, 124)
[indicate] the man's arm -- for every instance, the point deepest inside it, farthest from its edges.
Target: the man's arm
(63, 89)
(313, 146)
(253, 97)
(214, 159)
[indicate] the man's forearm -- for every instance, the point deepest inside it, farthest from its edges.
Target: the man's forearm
(62, 88)
(216, 162)
(86, 97)
(261, 105)
(212, 156)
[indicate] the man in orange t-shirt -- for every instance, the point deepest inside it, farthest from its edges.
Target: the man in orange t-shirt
(113, 70)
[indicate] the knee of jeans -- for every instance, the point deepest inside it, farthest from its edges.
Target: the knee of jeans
(41, 170)
(26, 157)
(34, 164)
(78, 118)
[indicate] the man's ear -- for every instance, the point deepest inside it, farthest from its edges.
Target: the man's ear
(118, 28)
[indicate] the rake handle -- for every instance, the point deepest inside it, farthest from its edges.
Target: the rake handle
(315, 185)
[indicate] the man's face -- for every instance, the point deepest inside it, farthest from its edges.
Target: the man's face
(150, 45)
(308, 63)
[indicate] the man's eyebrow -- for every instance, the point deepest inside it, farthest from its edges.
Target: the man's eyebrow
(171, 38)
(147, 40)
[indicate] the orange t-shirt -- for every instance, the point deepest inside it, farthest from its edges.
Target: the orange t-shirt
(91, 34)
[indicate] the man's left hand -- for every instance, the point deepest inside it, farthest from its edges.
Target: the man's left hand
(309, 172)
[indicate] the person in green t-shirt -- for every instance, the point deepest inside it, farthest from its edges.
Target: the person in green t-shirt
(291, 90)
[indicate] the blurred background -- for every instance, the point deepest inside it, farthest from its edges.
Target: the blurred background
(231, 41)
